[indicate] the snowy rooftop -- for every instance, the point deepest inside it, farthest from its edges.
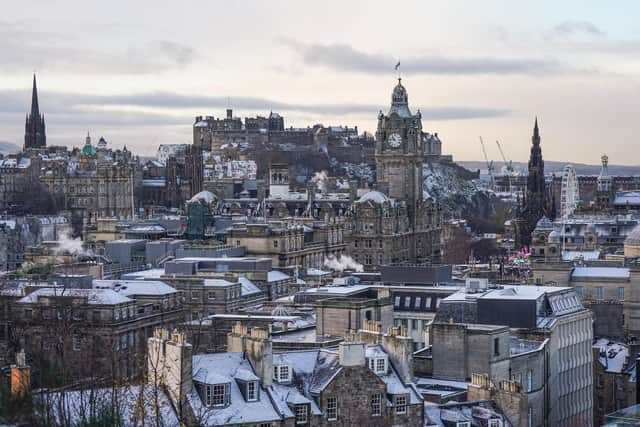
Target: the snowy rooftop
(276, 276)
(612, 354)
(248, 288)
(136, 287)
(93, 296)
(510, 292)
(520, 346)
(222, 368)
(375, 197)
(78, 406)
(153, 273)
(600, 272)
(586, 255)
(627, 197)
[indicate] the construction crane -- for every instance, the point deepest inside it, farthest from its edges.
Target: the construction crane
(507, 164)
(489, 164)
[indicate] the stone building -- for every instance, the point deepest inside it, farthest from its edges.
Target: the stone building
(95, 183)
(290, 243)
(101, 332)
(395, 224)
(614, 378)
(538, 336)
(609, 289)
(360, 383)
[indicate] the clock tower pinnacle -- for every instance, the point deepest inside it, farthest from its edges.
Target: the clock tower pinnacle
(399, 153)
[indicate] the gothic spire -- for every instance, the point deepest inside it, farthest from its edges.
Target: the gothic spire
(536, 133)
(34, 135)
(35, 110)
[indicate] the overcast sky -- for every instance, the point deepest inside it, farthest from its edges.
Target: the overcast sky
(138, 72)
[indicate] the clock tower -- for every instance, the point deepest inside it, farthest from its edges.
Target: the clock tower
(399, 153)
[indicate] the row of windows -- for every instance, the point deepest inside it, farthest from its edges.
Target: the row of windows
(414, 302)
(599, 293)
(412, 324)
(518, 378)
(332, 408)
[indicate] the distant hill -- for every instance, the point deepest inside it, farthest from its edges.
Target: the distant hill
(7, 147)
(557, 167)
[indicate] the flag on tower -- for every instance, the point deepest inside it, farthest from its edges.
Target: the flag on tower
(397, 65)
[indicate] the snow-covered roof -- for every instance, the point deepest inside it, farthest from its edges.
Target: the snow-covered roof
(93, 296)
(208, 197)
(153, 273)
(586, 255)
(155, 182)
(627, 198)
(136, 287)
(247, 286)
(376, 197)
(221, 368)
(146, 229)
(9, 223)
(600, 272)
(217, 282)
(79, 405)
(276, 276)
(612, 355)
(317, 272)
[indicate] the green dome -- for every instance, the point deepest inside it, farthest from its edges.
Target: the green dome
(88, 149)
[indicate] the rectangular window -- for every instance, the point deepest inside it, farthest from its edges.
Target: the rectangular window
(407, 302)
(427, 303)
(414, 324)
(275, 243)
(396, 301)
(332, 408)
(217, 397)
(463, 424)
(579, 291)
(437, 302)
(529, 380)
(380, 366)
(417, 302)
(211, 295)
(301, 414)
(376, 405)
(495, 423)
(496, 346)
(75, 343)
(401, 405)
(621, 293)
(599, 293)
(252, 391)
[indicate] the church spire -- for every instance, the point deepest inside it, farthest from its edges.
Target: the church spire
(35, 110)
(34, 127)
(536, 133)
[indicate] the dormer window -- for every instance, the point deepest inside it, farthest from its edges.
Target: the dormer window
(282, 373)
(252, 391)
(378, 365)
(218, 394)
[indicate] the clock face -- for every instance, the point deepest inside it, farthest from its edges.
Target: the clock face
(394, 140)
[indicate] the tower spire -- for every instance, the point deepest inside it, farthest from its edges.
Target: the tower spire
(35, 110)
(34, 127)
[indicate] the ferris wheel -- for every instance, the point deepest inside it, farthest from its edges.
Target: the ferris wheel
(570, 195)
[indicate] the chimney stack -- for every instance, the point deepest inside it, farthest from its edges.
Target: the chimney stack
(20, 376)
(169, 364)
(352, 354)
